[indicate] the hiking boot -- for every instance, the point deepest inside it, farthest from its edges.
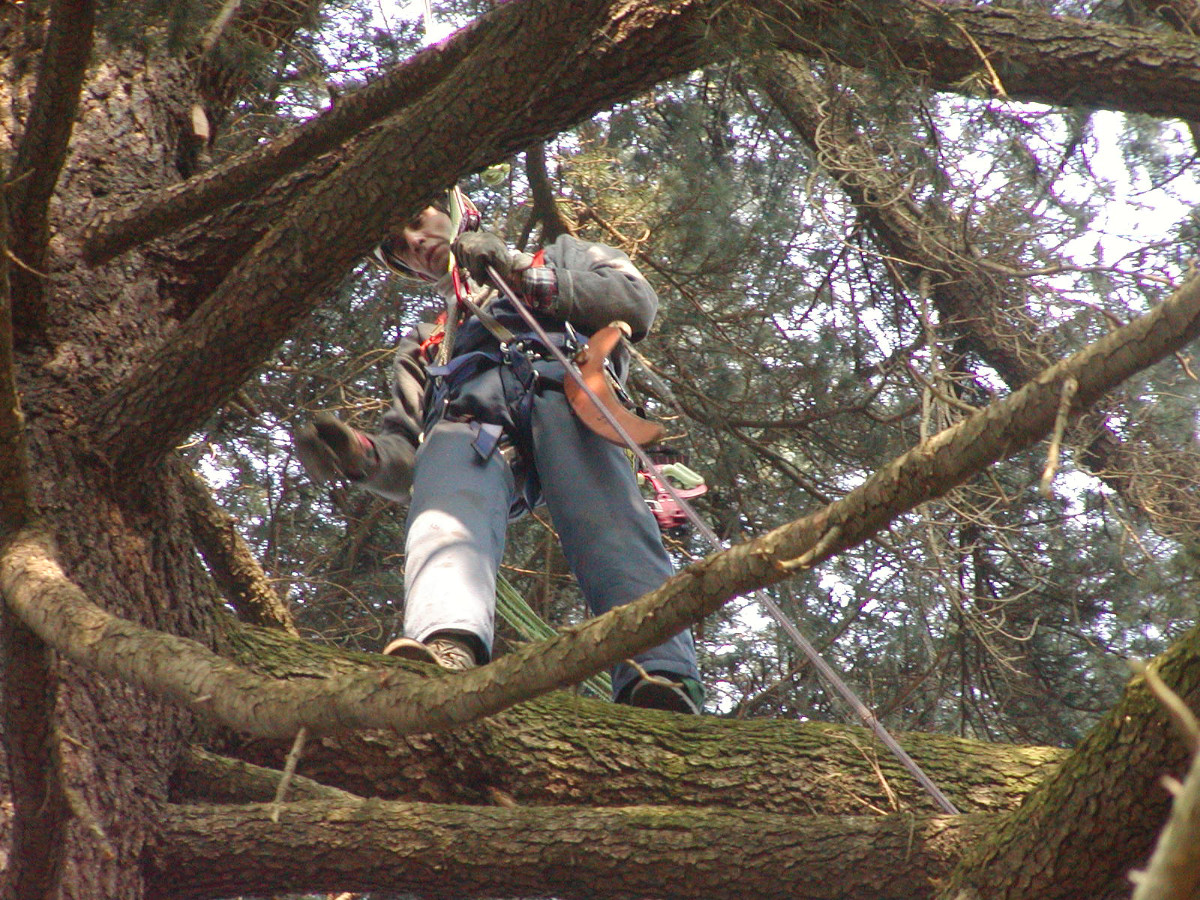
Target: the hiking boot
(665, 691)
(447, 652)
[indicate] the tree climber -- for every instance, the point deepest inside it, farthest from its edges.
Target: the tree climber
(481, 432)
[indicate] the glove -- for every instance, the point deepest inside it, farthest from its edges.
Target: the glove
(476, 250)
(330, 449)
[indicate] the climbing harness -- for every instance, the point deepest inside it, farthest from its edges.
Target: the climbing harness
(591, 395)
(810, 652)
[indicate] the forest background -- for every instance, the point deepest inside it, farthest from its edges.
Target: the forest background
(874, 229)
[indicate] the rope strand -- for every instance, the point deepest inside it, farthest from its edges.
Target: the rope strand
(810, 652)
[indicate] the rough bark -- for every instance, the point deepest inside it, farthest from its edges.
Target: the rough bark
(983, 50)
(455, 851)
(1078, 833)
(116, 230)
(387, 176)
(90, 757)
(231, 562)
(563, 749)
(1173, 872)
(1081, 831)
(1035, 57)
(1065, 856)
(210, 778)
(40, 812)
(40, 155)
(121, 520)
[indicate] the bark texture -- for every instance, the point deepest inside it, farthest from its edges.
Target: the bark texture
(455, 851)
(984, 50)
(231, 562)
(1082, 830)
(61, 613)
(104, 749)
(614, 52)
(566, 750)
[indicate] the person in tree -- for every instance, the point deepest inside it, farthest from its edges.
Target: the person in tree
(480, 431)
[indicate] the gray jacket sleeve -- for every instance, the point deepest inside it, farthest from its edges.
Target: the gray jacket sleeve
(400, 431)
(598, 284)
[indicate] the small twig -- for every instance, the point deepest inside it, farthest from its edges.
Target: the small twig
(997, 85)
(1173, 872)
(1187, 369)
(289, 772)
(873, 761)
(24, 265)
(218, 25)
(656, 679)
(1070, 386)
(934, 390)
(1182, 717)
(822, 547)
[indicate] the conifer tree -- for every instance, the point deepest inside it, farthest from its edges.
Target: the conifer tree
(899, 247)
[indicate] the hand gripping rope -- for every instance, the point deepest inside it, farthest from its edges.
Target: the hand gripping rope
(831, 677)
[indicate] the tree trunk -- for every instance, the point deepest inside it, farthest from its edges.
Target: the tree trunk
(111, 747)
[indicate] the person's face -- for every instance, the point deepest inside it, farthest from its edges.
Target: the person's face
(425, 243)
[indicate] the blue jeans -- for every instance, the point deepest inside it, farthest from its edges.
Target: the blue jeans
(460, 508)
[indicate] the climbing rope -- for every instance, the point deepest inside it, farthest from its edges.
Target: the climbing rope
(826, 671)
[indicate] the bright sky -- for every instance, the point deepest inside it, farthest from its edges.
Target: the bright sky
(392, 10)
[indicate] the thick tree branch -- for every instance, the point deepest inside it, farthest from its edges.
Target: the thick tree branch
(922, 238)
(168, 209)
(291, 270)
(59, 612)
(1062, 858)
(42, 152)
(393, 170)
(972, 300)
(545, 205)
(209, 778)
(1092, 64)
(563, 749)
(443, 851)
(233, 566)
(1174, 869)
(1184, 17)
(980, 49)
